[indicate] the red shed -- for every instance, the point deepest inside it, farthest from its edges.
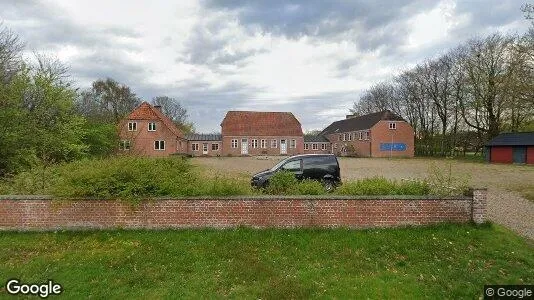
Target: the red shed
(517, 147)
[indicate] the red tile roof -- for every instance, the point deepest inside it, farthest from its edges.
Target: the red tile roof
(145, 111)
(250, 123)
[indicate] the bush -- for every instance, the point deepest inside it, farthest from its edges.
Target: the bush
(309, 187)
(445, 183)
(383, 186)
(282, 182)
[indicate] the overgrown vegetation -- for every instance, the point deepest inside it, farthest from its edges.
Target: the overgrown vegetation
(447, 261)
(383, 186)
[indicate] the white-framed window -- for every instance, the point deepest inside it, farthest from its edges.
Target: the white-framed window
(293, 144)
(159, 145)
(194, 147)
(234, 143)
(215, 147)
(335, 145)
(344, 136)
(274, 143)
(367, 135)
(132, 126)
(124, 145)
(306, 146)
(315, 146)
(323, 146)
(263, 144)
(205, 147)
(392, 125)
(152, 126)
(350, 136)
(254, 143)
(361, 136)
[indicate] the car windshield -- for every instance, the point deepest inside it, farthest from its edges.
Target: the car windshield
(278, 165)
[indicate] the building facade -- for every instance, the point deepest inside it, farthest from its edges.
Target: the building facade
(517, 147)
(382, 134)
(204, 144)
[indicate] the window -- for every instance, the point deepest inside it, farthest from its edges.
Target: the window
(205, 147)
(159, 145)
(234, 143)
(361, 135)
(323, 146)
(132, 126)
(293, 165)
(274, 143)
(215, 147)
(263, 144)
(335, 145)
(124, 145)
(339, 137)
(350, 136)
(344, 136)
(367, 135)
(306, 146)
(293, 144)
(152, 126)
(254, 143)
(194, 147)
(392, 125)
(315, 146)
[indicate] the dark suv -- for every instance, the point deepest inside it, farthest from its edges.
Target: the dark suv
(321, 167)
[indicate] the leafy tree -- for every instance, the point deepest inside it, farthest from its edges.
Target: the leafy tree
(173, 109)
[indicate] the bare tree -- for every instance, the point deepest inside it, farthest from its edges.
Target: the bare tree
(173, 109)
(10, 54)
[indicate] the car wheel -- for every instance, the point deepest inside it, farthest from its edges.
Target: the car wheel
(328, 185)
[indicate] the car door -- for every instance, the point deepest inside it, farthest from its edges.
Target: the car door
(294, 166)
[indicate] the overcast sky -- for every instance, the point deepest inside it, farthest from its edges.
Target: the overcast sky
(310, 57)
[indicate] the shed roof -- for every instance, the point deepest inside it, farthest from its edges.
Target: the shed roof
(361, 122)
(513, 139)
(315, 139)
(145, 111)
(258, 123)
(204, 137)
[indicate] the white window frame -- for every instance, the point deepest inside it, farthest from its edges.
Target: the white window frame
(315, 146)
(306, 146)
(274, 143)
(132, 126)
(361, 135)
(367, 135)
(151, 126)
(216, 148)
(254, 143)
(293, 144)
(350, 136)
(344, 137)
(235, 143)
(335, 145)
(263, 144)
(392, 125)
(125, 145)
(157, 145)
(194, 147)
(323, 146)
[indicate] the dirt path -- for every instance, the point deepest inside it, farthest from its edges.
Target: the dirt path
(505, 204)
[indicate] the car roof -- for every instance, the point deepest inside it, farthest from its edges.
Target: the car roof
(310, 155)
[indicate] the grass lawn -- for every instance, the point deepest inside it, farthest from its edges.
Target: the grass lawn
(451, 261)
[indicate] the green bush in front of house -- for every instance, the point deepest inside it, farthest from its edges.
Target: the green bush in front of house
(383, 186)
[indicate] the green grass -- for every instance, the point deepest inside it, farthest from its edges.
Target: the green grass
(447, 261)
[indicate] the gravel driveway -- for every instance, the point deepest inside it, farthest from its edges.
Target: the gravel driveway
(505, 204)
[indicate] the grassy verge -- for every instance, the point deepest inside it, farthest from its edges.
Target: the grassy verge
(447, 261)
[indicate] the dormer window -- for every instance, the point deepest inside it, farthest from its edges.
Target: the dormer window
(392, 125)
(132, 126)
(152, 126)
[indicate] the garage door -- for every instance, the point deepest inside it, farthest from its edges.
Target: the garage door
(501, 154)
(530, 155)
(520, 155)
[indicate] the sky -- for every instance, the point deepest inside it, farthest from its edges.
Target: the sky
(313, 58)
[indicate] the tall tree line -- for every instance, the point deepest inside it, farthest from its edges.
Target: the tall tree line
(464, 97)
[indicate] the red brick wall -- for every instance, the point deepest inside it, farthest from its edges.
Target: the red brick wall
(228, 150)
(200, 152)
(380, 133)
(46, 214)
(142, 140)
(362, 147)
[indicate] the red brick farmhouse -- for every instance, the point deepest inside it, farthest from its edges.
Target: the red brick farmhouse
(146, 131)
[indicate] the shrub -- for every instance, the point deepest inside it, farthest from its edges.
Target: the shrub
(309, 187)
(383, 186)
(445, 183)
(282, 182)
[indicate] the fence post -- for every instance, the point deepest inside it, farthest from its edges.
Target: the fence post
(478, 205)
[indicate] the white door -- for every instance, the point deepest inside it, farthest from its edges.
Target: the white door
(244, 147)
(205, 149)
(283, 147)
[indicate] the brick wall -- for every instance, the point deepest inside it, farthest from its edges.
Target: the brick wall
(41, 213)
(268, 150)
(380, 133)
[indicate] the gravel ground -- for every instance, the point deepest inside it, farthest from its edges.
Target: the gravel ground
(505, 204)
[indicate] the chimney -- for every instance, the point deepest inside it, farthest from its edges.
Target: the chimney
(158, 107)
